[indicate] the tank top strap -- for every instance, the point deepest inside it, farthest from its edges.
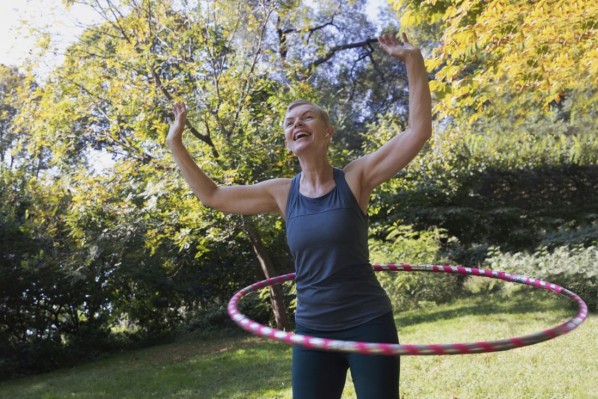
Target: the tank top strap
(345, 191)
(293, 193)
(340, 181)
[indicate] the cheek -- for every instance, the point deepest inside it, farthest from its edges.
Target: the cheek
(286, 138)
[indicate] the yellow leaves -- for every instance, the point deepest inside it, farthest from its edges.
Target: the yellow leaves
(439, 89)
(589, 63)
(433, 63)
(410, 18)
(449, 73)
(511, 48)
(398, 4)
(465, 37)
(43, 41)
(450, 12)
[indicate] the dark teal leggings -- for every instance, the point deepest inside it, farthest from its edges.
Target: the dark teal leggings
(321, 374)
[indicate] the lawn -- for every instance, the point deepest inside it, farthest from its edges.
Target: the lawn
(234, 364)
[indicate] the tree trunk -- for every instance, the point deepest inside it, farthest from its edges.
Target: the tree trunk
(276, 295)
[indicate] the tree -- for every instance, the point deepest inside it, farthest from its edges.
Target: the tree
(130, 244)
(236, 65)
(494, 57)
(9, 81)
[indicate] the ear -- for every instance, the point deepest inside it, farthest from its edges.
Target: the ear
(330, 131)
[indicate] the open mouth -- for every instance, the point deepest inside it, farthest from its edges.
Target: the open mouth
(300, 135)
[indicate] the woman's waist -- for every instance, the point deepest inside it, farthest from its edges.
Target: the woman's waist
(331, 275)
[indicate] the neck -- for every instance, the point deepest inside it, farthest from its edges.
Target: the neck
(316, 176)
(315, 169)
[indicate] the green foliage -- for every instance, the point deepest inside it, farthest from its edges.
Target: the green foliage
(10, 80)
(572, 267)
(52, 314)
(514, 186)
(81, 258)
(515, 209)
(256, 306)
(404, 245)
(130, 249)
(505, 57)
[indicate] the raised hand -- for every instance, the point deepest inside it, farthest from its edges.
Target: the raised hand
(177, 125)
(401, 50)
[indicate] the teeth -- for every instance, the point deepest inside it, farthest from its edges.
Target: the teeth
(300, 135)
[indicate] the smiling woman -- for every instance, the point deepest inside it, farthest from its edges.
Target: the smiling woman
(305, 123)
(325, 210)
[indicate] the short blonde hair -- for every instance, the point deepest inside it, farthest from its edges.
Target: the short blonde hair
(321, 111)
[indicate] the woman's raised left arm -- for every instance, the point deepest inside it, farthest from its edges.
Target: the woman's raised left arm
(373, 169)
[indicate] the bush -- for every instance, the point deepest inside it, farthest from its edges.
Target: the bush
(517, 209)
(574, 268)
(256, 306)
(407, 290)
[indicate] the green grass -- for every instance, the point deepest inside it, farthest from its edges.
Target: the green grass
(236, 365)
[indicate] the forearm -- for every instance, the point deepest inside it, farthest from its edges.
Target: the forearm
(379, 166)
(420, 102)
(201, 185)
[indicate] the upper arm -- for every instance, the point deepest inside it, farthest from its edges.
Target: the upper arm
(373, 169)
(264, 197)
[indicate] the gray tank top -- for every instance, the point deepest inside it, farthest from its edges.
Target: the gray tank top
(328, 237)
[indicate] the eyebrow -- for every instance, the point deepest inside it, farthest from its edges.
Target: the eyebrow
(303, 113)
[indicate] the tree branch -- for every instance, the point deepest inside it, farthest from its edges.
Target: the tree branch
(335, 49)
(205, 138)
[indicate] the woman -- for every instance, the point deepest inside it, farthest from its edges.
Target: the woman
(325, 210)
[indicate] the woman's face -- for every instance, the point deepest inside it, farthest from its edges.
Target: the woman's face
(305, 128)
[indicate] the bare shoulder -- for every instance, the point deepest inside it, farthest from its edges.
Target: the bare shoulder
(279, 190)
(276, 184)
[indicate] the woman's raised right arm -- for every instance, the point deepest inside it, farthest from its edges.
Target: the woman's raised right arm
(265, 197)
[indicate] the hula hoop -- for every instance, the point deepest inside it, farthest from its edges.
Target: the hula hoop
(370, 348)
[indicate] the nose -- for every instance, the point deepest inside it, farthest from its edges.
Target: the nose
(298, 122)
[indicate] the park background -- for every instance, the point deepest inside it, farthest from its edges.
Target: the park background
(104, 249)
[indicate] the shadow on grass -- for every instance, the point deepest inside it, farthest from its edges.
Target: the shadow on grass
(233, 366)
(262, 369)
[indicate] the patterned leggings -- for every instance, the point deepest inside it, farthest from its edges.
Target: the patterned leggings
(321, 374)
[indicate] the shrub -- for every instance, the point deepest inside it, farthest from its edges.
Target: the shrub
(574, 268)
(404, 245)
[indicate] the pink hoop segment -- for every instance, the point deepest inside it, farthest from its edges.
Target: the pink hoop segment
(405, 350)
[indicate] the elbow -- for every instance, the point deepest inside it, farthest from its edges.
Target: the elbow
(427, 134)
(424, 133)
(421, 129)
(216, 200)
(209, 202)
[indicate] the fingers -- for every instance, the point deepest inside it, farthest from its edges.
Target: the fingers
(387, 40)
(179, 107)
(391, 40)
(180, 114)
